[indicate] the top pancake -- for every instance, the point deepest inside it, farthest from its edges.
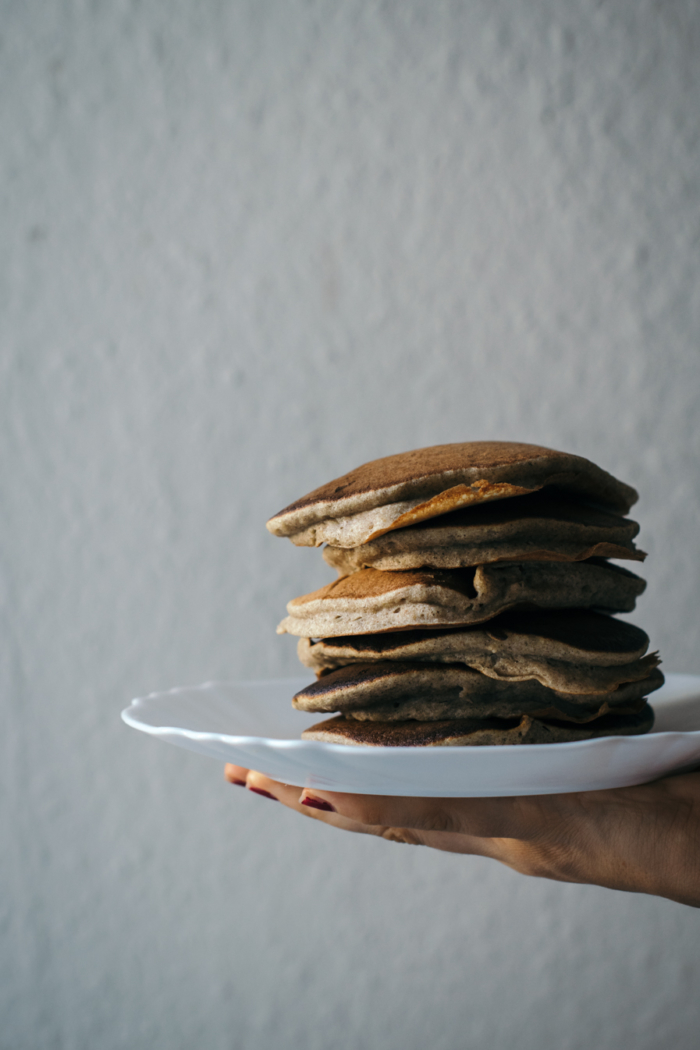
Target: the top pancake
(542, 526)
(401, 490)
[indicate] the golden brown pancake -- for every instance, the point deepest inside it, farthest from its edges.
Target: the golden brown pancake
(474, 732)
(397, 691)
(401, 490)
(570, 650)
(543, 526)
(371, 601)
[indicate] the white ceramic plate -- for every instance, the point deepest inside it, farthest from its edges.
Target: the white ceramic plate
(252, 724)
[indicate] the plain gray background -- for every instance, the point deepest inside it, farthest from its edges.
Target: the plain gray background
(246, 246)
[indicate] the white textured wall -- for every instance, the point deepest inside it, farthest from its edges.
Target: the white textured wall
(247, 245)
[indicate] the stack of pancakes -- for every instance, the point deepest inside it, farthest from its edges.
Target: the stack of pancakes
(473, 600)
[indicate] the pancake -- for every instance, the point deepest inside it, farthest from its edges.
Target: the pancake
(475, 732)
(572, 679)
(371, 601)
(397, 691)
(571, 650)
(544, 526)
(401, 490)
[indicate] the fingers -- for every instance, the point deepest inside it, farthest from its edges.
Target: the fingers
(474, 817)
(235, 774)
(289, 796)
(475, 826)
(261, 785)
(486, 817)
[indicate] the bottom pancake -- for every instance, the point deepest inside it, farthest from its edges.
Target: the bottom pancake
(475, 732)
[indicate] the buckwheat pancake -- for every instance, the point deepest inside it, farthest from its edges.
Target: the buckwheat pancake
(371, 601)
(388, 692)
(544, 526)
(401, 490)
(475, 732)
(571, 650)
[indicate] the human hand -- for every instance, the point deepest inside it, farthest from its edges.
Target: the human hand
(643, 839)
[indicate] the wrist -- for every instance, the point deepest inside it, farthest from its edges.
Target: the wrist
(643, 839)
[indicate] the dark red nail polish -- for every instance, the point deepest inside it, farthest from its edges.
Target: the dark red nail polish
(260, 791)
(242, 783)
(318, 803)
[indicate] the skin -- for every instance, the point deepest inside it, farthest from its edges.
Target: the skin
(642, 839)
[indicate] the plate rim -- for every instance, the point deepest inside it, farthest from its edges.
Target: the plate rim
(354, 749)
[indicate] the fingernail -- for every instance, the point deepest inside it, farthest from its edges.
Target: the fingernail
(318, 803)
(260, 791)
(241, 783)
